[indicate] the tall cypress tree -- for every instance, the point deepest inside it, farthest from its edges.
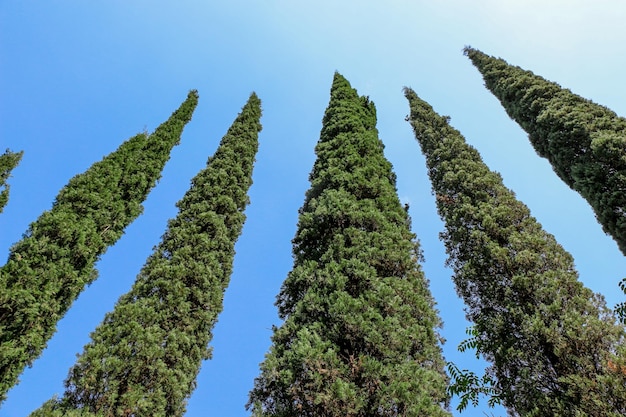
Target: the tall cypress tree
(549, 339)
(51, 265)
(585, 142)
(8, 161)
(144, 358)
(360, 333)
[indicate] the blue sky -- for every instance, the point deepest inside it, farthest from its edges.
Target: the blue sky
(78, 78)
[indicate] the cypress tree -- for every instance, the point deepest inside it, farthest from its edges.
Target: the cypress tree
(585, 142)
(8, 161)
(54, 261)
(144, 358)
(549, 339)
(360, 332)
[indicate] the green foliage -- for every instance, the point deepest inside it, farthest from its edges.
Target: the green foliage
(470, 387)
(620, 308)
(584, 141)
(8, 161)
(144, 358)
(548, 338)
(52, 409)
(360, 333)
(55, 260)
(466, 384)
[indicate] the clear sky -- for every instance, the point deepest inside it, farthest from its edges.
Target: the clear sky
(78, 78)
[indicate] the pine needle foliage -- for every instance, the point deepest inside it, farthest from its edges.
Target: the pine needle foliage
(584, 141)
(8, 161)
(52, 409)
(549, 339)
(360, 336)
(54, 261)
(144, 358)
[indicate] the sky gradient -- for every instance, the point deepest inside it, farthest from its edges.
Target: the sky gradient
(79, 78)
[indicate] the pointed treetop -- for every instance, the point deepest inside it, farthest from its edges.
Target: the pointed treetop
(341, 89)
(474, 54)
(340, 81)
(347, 111)
(254, 98)
(8, 161)
(421, 110)
(253, 105)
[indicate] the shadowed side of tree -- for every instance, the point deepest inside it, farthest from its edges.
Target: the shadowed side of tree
(54, 261)
(8, 161)
(360, 333)
(144, 358)
(549, 339)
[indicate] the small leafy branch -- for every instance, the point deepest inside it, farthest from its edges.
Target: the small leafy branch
(466, 384)
(620, 309)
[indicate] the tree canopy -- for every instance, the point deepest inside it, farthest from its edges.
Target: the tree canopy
(549, 339)
(52, 264)
(360, 336)
(144, 358)
(584, 141)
